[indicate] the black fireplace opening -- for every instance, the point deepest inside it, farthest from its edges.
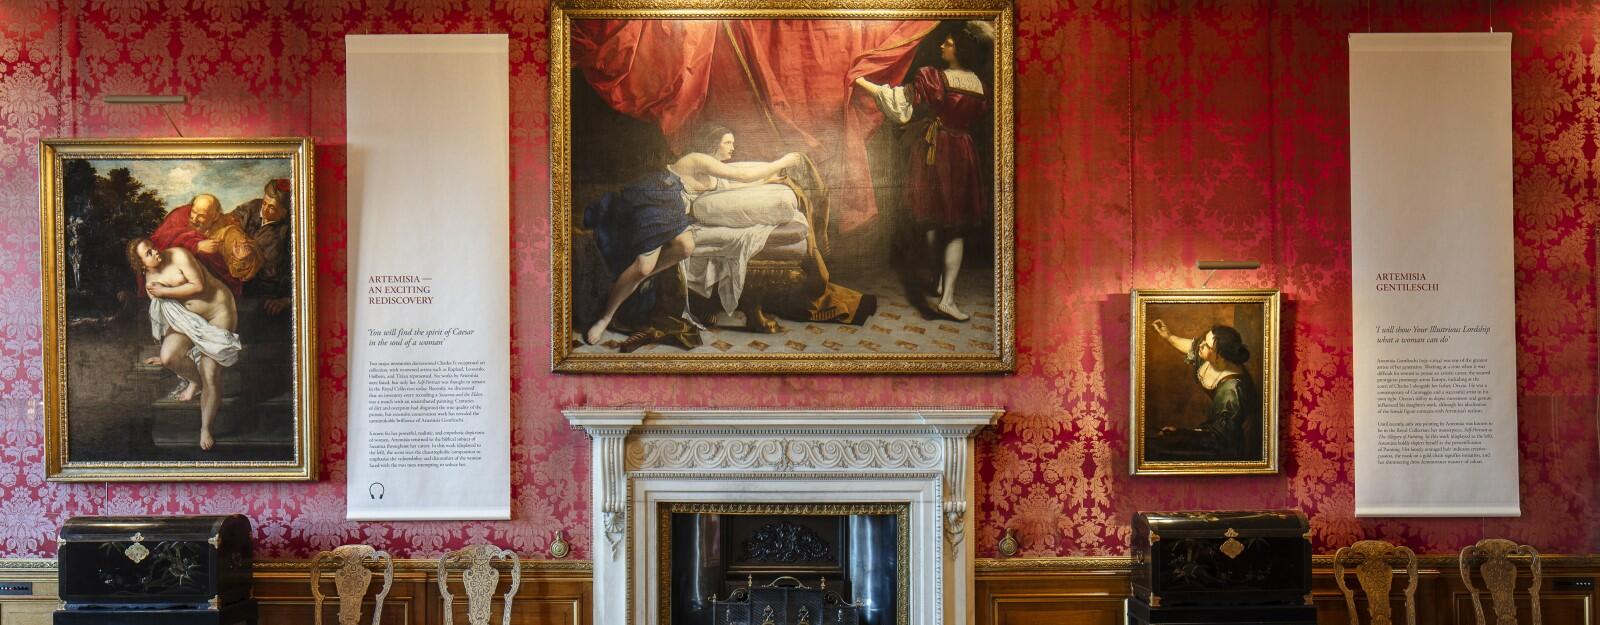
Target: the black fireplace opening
(851, 554)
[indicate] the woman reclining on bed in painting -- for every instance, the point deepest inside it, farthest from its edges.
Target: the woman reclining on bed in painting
(647, 228)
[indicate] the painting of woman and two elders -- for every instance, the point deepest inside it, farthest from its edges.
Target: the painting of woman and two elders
(176, 274)
(785, 195)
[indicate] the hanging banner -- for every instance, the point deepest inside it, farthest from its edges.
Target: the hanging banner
(428, 130)
(1433, 294)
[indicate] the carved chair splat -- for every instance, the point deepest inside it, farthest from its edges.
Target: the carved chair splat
(351, 578)
(1375, 575)
(479, 578)
(1500, 576)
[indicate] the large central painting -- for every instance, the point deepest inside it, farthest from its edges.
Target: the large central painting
(782, 188)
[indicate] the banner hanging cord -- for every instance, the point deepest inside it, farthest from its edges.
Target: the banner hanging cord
(168, 115)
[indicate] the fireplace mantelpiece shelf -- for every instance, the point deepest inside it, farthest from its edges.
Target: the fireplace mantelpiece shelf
(644, 459)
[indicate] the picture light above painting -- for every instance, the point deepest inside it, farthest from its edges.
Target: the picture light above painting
(782, 187)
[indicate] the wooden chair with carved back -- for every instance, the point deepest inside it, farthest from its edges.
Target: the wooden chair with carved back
(1374, 572)
(351, 578)
(1500, 576)
(479, 578)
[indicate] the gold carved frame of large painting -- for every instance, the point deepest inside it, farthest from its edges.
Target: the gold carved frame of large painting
(843, 271)
(179, 282)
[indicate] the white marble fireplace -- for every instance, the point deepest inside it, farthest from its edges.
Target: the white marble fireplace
(643, 459)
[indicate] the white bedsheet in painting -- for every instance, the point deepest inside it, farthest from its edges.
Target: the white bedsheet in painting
(168, 314)
(732, 226)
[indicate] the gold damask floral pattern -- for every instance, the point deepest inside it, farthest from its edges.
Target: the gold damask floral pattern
(1150, 134)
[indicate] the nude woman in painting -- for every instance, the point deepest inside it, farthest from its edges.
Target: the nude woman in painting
(193, 315)
(642, 230)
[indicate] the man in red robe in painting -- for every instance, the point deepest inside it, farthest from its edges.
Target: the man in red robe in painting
(214, 238)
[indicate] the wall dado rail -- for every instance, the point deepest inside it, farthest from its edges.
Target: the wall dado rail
(1015, 591)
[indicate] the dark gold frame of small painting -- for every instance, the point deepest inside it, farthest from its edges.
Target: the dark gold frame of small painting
(114, 405)
(885, 342)
(1196, 409)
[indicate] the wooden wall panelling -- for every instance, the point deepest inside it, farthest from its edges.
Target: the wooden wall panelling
(552, 593)
(1045, 591)
(1568, 595)
(544, 598)
(283, 591)
(29, 610)
(1052, 591)
(1559, 608)
(1331, 608)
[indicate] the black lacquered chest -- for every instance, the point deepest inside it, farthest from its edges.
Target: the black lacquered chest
(159, 564)
(1222, 558)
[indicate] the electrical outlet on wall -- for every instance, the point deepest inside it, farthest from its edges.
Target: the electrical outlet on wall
(16, 588)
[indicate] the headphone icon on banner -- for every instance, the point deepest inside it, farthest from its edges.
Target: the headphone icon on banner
(375, 491)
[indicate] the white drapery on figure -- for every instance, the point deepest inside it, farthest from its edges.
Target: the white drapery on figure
(895, 102)
(209, 340)
(720, 259)
(733, 226)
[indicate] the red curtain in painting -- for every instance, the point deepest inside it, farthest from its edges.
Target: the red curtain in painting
(781, 85)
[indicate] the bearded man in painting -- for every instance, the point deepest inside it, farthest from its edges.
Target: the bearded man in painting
(217, 240)
(266, 220)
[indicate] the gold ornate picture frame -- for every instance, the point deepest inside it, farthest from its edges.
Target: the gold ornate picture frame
(179, 282)
(756, 186)
(1204, 382)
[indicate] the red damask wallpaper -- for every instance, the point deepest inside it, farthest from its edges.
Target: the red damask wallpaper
(1150, 134)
